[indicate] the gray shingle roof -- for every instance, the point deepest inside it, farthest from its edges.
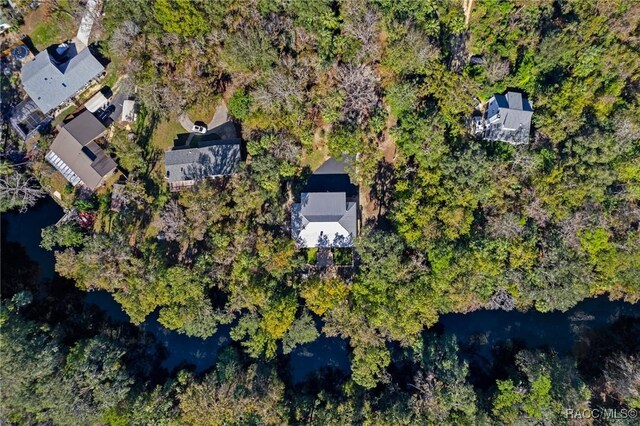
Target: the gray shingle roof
(220, 159)
(49, 81)
(324, 219)
(512, 121)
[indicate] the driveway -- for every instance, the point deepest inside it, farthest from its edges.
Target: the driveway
(220, 117)
(185, 122)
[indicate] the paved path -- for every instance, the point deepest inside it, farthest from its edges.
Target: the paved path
(87, 23)
(185, 122)
(220, 117)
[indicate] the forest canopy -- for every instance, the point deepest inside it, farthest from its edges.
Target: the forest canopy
(450, 223)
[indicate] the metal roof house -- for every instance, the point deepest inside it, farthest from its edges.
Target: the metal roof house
(57, 74)
(75, 154)
(508, 118)
(185, 166)
(327, 214)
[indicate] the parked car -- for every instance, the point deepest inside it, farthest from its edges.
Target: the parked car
(199, 129)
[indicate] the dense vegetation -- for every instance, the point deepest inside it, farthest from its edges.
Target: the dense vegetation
(453, 224)
(461, 223)
(77, 367)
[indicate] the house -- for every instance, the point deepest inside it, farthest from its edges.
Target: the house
(208, 159)
(508, 118)
(57, 74)
(327, 214)
(75, 154)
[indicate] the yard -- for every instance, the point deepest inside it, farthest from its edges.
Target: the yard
(204, 110)
(165, 133)
(46, 28)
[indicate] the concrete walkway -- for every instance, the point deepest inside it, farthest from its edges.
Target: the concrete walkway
(87, 23)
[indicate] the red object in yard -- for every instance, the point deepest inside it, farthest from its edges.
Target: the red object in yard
(86, 219)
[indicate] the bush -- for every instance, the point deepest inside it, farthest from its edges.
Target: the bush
(240, 104)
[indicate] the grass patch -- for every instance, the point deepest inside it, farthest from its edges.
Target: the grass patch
(53, 30)
(343, 256)
(315, 158)
(64, 114)
(312, 255)
(111, 73)
(165, 133)
(204, 110)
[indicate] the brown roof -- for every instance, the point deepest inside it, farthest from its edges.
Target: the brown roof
(74, 145)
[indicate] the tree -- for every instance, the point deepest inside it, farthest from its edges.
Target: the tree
(17, 189)
(180, 17)
(66, 235)
(47, 381)
(234, 394)
(544, 388)
(240, 104)
(322, 294)
(303, 330)
(442, 392)
(622, 378)
(359, 84)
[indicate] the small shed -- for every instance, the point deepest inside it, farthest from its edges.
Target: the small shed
(96, 102)
(128, 111)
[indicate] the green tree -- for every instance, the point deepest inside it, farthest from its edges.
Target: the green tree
(67, 235)
(180, 17)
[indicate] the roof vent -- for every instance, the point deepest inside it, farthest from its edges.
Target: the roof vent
(62, 47)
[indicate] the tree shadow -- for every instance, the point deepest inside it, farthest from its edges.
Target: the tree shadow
(382, 188)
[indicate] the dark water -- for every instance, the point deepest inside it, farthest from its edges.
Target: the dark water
(478, 332)
(24, 228)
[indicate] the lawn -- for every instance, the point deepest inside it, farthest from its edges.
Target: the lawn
(315, 158)
(64, 114)
(204, 110)
(165, 133)
(53, 30)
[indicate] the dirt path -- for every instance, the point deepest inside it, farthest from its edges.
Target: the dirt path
(388, 146)
(371, 209)
(467, 5)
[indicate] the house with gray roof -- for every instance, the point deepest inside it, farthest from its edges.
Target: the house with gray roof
(508, 118)
(57, 74)
(324, 219)
(76, 155)
(184, 166)
(327, 214)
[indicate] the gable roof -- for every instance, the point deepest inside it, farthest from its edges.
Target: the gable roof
(324, 219)
(511, 121)
(515, 111)
(51, 78)
(331, 167)
(75, 154)
(216, 159)
(85, 127)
